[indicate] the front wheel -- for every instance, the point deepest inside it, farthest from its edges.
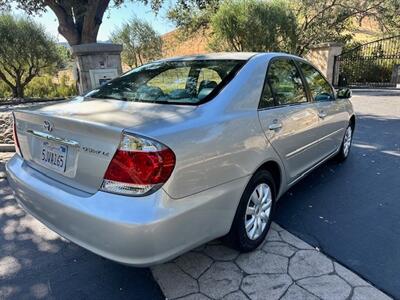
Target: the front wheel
(254, 213)
(346, 144)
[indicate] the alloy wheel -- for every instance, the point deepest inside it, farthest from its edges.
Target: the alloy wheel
(347, 141)
(258, 211)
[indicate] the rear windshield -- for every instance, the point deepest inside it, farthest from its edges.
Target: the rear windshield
(176, 82)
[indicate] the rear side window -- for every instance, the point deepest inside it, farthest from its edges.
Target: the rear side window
(320, 89)
(267, 100)
(283, 85)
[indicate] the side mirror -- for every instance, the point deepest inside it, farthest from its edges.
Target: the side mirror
(343, 93)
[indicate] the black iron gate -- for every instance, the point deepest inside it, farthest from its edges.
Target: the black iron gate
(375, 64)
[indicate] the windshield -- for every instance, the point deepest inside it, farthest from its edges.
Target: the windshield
(177, 82)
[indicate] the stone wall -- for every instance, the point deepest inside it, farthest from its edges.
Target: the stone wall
(96, 57)
(6, 122)
(323, 57)
(6, 130)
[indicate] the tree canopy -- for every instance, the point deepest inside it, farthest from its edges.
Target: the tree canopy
(141, 43)
(25, 51)
(79, 20)
(316, 21)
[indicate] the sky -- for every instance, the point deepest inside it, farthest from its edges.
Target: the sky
(113, 19)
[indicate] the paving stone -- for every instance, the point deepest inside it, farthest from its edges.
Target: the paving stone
(169, 275)
(329, 287)
(294, 241)
(257, 262)
(220, 252)
(220, 279)
(298, 293)
(368, 293)
(276, 227)
(194, 263)
(273, 235)
(266, 286)
(238, 295)
(279, 248)
(197, 296)
(306, 263)
(351, 278)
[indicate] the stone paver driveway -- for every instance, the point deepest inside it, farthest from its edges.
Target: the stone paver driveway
(284, 267)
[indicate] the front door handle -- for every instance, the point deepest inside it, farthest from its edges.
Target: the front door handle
(275, 126)
(322, 114)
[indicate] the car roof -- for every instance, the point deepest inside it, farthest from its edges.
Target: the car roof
(213, 56)
(226, 56)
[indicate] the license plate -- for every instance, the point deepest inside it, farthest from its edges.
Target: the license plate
(54, 156)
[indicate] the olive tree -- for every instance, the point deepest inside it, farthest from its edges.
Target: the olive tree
(141, 43)
(25, 51)
(332, 20)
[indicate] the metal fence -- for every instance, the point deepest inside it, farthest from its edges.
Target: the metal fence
(374, 64)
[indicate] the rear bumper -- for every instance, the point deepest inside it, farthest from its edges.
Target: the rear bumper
(137, 231)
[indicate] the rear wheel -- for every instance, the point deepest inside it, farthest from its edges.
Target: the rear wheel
(346, 144)
(254, 214)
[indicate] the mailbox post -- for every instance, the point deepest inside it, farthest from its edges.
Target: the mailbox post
(96, 64)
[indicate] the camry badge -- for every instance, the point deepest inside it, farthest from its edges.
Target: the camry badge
(47, 125)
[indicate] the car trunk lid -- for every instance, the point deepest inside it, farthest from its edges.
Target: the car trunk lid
(74, 142)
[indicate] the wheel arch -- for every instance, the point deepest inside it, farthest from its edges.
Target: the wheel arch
(352, 122)
(276, 172)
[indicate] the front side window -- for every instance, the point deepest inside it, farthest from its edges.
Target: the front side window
(283, 85)
(176, 82)
(320, 89)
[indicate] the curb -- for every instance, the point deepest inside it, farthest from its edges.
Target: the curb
(7, 148)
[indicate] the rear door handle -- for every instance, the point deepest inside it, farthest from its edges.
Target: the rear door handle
(275, 126)
(322, 114)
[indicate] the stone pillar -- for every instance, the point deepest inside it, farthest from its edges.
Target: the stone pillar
(396, 76)
(323, 57)
(96, 63)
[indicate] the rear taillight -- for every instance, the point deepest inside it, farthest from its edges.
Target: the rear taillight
(139, 167)
(15, 136)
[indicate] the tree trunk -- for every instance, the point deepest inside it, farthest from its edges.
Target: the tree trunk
(18, 89)
(81, 26)
(70, 33)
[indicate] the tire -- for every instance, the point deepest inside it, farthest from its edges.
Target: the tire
(346, 145)
(239, 237)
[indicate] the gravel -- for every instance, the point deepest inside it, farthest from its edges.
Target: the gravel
(6, 128)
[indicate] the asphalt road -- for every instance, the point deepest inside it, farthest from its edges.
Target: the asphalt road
(36, 263)
(351, 211)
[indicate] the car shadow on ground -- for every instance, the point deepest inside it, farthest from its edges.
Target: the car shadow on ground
(351, 210)
(36, 263)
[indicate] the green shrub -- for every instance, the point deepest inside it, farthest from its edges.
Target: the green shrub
(44, 87)
(368, 71)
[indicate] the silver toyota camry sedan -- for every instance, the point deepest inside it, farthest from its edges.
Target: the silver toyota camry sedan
(178, 152)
